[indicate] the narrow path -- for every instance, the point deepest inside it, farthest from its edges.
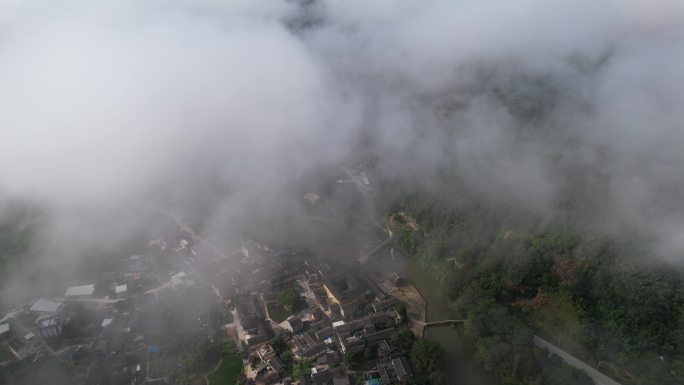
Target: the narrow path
(598, 377)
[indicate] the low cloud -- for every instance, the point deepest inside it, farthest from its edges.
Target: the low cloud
(224, 106)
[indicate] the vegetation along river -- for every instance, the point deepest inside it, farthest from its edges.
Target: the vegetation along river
(460, 364)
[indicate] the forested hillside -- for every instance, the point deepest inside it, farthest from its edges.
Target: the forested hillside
(608, 299)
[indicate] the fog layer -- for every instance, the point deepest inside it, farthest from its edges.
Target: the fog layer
(109, 106)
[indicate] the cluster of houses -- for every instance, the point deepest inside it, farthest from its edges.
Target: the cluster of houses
(73, 327)
(105, 328)
(43, 319)
(346, 315)
(109, 327)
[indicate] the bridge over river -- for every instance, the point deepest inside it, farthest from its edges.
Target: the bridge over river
(420, 326)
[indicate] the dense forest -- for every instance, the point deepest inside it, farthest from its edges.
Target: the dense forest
(606, 299)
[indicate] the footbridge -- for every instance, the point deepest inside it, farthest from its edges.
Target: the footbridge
(421, 325)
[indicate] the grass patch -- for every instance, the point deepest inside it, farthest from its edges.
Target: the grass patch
(228, 372)
(183, 359)
(221, 314)
(277, 312)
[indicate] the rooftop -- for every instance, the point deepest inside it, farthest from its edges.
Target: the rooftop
(45, 306)
(276, 364)
(401, 367)
(82, 290)
(16, 344)
(383, 346)
(295, 323)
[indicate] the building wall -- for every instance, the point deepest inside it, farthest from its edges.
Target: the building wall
(49, 331)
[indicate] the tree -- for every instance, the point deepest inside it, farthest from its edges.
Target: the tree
(427, 356)
(368, 353)
(278, 345)
(401, 310)
(403, 342)
(438, 378)
(494, 354)
(351, 360)
(288, 359)
(301, 368)
(290, 299)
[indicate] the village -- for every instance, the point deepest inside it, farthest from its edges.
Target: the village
(184, 312)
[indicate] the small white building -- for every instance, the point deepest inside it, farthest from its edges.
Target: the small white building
(4, 331)
(82, 291)
(121, 291)
(44, 306)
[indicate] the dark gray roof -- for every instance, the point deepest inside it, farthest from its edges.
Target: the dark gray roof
(401, 367)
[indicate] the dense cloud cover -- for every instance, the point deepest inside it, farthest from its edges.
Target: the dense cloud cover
(104, 105)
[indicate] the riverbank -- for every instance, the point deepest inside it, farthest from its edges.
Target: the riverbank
(461, 367)
(430, 303)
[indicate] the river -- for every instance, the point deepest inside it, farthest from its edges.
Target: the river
(461, 367)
